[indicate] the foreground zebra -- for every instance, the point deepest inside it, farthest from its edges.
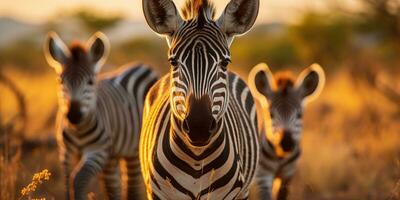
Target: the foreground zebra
(99, 118)
(199, 136)
(283, 98)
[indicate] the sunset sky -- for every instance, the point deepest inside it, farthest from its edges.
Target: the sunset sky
(37, 11)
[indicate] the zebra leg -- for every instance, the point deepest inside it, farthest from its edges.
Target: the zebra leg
(284, 189)
(265, 193)
(265, 187)
(135, 181)
(89, 166)
(112, 179)
(65, 158)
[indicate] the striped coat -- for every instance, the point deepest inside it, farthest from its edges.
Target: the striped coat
(199, 137)
(223, 171)
(100, 116)
(111, 132)
(280, 104)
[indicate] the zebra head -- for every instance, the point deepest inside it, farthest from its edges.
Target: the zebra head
(76, 68)
(199, 55)
(286, 97)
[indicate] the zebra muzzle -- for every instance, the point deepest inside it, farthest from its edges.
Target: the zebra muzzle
(199, 124)
(74, 114)
(287, 143)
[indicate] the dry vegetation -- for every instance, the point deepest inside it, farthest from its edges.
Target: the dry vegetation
(351, 145)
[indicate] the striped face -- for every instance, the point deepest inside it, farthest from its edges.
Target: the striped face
(77, 69)
(199, 55)
(285, 97)
(286, 111)
(199, 94)
(77, 86)
(199, 59)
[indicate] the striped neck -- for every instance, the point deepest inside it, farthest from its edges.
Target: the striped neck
(180, 143)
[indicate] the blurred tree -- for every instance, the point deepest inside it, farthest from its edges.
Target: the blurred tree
(24, 54)
(266, 43)
(383, 16)
(94, 21)
(323, 38)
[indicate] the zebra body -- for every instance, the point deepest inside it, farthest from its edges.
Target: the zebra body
(112, 131)
(280, 100)
(115, 123)
(199, 137)
(224, 170)
(100, 116)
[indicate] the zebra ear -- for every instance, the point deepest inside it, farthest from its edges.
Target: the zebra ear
(99, 47)
(55, 51)
(310, 82)
(238, 17)
(261, 81)
(162, 16)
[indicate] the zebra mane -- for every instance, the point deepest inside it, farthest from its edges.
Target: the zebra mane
(202, 10)
(77, 50)
(79, 56)
(284, 80)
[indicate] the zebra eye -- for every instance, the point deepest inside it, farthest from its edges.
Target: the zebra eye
(173, 62)
(90, 82)
(299, 115)
(224, 63)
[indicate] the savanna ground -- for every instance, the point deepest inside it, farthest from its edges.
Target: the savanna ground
(351, 139)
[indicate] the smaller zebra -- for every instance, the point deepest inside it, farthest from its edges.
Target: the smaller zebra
(99, 119)
(280, 100)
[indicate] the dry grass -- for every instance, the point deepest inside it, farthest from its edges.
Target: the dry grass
(351, 145)
(7, 184)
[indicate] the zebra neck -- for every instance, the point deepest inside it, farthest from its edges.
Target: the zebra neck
(208, 154)
(181, 146)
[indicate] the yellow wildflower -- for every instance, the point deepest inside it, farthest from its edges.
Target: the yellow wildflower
(37, 179)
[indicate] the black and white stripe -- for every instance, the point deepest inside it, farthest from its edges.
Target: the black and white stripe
(99, 121)
(281, 99)
(109, 133)
(174, 169)
(199, 137)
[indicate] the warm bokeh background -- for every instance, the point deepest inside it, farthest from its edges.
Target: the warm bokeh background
(351, 144)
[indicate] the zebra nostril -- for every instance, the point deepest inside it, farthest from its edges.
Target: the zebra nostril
(287, 142)
(185, 126)
(213, 126)
(74, 114)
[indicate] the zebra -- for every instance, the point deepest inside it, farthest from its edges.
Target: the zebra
(99, 119)
(280, 99)
(199, 133)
